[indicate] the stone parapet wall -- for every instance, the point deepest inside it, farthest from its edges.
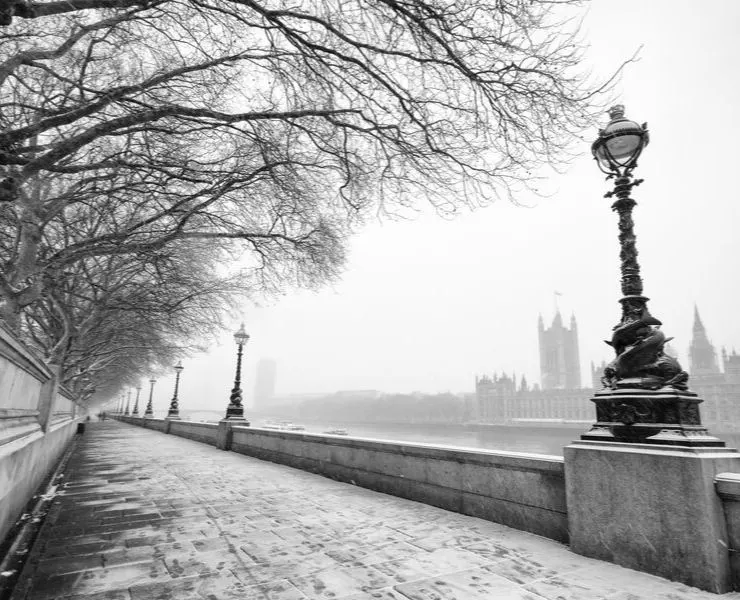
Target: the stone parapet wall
(37, 421)
(683, 501)
(523, 491)
(200, 432)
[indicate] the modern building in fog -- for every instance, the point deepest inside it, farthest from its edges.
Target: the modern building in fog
(264, 384)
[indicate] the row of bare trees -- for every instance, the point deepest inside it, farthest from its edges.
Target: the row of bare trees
(160, 157)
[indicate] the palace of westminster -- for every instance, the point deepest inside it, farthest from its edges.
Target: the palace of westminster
(502, 400)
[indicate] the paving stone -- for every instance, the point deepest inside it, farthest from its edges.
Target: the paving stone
(96, 580)
(520, 570)
(383, 594)
(331, 583)
(475, 583)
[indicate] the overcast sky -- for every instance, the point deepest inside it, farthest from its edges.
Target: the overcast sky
(428, 304)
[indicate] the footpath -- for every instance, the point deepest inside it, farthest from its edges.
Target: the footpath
(149, 516)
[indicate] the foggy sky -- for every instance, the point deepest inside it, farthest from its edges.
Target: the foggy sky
(428, 304)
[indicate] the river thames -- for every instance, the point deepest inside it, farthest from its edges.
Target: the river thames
(537, 440)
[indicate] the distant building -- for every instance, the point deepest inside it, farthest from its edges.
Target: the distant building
(349, 394)
(264, 385)
(560, 363)
(703, 365)
(731, 365)
(597, 372)
(720, 389)
(562, 397)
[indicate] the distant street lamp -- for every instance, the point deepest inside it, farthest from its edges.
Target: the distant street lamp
(646, 397)
(136, 402)
(149, 412)
(174, 411)
(128, 402)
(235, 410)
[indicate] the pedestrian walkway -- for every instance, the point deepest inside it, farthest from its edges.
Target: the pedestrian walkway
(149, 516)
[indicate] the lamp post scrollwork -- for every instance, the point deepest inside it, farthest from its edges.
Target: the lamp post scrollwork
(645, 397)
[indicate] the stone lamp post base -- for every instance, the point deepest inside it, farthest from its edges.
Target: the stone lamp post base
(663, 417)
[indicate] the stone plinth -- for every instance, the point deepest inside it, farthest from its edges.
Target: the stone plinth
(224, 434)
(665, 417)
(651, 508)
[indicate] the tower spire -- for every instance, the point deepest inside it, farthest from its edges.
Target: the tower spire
(702, 355)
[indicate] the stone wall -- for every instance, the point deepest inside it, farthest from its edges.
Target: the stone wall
(728, 488)
(200, 432)
(37, 421)
(524, 491)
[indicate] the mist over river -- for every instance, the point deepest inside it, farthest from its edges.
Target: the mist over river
(537, 440)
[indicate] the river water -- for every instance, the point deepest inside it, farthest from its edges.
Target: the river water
(537, 440)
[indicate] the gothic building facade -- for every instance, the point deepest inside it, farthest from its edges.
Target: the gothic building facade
(561, 399)
(560, 363)
(500, 400)
(718, 387)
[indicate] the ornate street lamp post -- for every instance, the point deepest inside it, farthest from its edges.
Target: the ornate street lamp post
(136, 402)
(128, 403)
(174, 410)
(645, 397)
(149, 412)
(235, 410)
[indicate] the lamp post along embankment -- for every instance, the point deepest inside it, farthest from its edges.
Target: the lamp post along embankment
(149, 412)
(646, 397)
(173, 413)
(640, 485)
(136, 402)
(235, 409)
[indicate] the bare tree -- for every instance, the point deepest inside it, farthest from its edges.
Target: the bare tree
(133, 132)
(116, 317)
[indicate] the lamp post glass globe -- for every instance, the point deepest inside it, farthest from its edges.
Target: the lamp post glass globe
(620, 143)
(241, 337)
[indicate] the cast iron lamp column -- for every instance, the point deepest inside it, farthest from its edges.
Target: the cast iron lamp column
(174, 411)
(235, 410)
(128, 403)
(646, 397)
(149, 412)
(136, 402)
